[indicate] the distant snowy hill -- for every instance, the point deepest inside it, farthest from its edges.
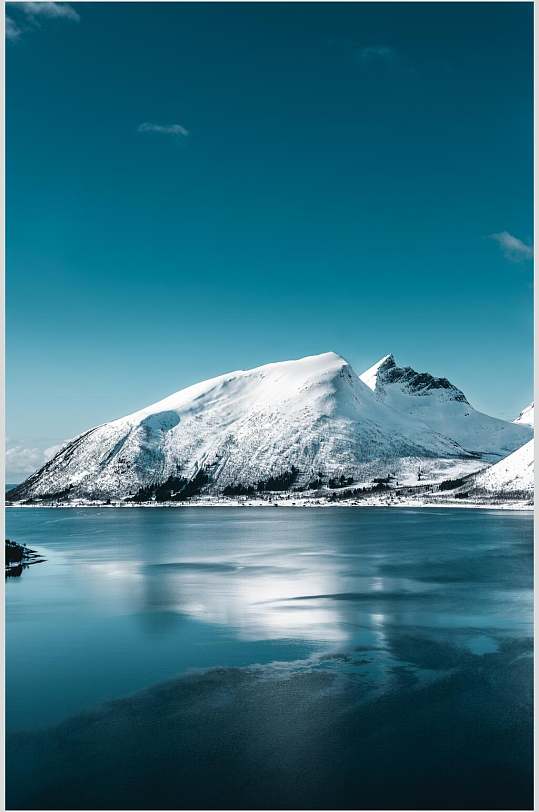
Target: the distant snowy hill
(514, 474)
(526, 416)
(440, 405)
(278, 426)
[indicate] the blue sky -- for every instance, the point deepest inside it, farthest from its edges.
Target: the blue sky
(196, 188)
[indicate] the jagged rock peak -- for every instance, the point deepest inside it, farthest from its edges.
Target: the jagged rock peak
(370, 376)
(386, 371)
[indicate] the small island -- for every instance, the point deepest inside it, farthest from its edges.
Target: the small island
(19, 557)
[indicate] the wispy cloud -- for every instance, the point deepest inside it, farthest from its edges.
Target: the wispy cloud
(21, 461)
(29, 16)
(372, 58)
(165, 129)
(513, 249)
(13, 31)
(51, 10)
(376, 53)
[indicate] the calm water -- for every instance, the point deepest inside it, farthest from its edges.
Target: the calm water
(270, 658)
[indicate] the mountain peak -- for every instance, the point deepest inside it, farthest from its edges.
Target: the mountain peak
(441, 406)
(370, 376)
(386, 372)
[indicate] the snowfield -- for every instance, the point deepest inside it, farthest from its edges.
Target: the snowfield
(282, 426)
(514, 474)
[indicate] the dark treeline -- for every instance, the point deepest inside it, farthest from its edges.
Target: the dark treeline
(280, 482)
(357, 493)
(451, 484)
(174, 489)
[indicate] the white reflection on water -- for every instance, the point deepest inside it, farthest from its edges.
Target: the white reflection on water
(305, 595)
(251, 600)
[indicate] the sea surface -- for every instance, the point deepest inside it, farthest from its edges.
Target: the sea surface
(270, 658)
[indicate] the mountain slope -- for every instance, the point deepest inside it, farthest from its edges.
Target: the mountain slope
(440, 405)
(512, 475)
(314, 415)
(526, 417)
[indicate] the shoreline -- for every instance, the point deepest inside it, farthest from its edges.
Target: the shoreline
(516, 506)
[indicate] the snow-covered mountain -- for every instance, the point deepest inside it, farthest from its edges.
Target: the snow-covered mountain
(440, 405)
(314, 415)
(512, 475)
(526, 416)
(280, 425)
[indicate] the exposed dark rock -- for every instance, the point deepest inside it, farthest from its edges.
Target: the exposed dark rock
(417, 382)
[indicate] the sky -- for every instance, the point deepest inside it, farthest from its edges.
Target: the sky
(197, 188)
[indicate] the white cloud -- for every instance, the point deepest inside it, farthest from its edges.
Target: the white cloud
(165, 129)
(13, 31)
(21, 461)
(64, 10)
(29, 16)
(513, 248)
